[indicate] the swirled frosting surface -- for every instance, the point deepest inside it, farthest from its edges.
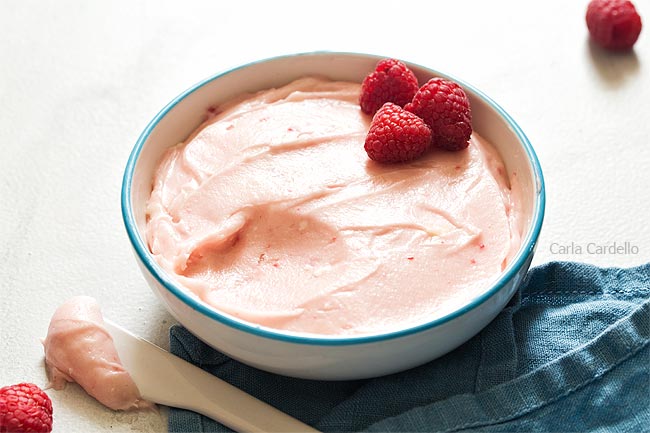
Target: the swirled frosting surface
(272, 212)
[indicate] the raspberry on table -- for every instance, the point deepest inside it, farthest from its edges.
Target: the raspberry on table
(391, 81)
(613, 24)
(395, 135)
(444, 106)
(25, 408)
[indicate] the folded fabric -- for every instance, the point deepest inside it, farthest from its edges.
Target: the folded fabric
(570, 352)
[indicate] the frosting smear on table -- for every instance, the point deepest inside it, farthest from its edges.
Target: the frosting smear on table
(272, 212)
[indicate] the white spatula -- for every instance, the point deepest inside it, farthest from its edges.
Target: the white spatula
(166, 379)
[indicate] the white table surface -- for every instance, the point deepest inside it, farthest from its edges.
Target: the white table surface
(79, 80)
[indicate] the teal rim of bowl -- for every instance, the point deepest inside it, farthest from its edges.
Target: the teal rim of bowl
(526, 249)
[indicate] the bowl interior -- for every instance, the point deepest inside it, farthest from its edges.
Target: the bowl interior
(185, 113)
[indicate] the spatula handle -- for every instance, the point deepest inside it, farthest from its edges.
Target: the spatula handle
(166, 379)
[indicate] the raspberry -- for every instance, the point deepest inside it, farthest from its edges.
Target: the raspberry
(391, 81)
(25, 408)
(613, 24)
(444, 106)
(395, 135)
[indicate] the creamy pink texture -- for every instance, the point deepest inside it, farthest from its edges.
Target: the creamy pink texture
(79, 349)
(272, 212)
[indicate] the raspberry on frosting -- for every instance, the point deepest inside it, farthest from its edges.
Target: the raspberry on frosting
(444, 106)
(613, 24)
(395, 135)
(391, 81)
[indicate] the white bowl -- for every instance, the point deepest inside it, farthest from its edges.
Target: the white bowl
(330, 358)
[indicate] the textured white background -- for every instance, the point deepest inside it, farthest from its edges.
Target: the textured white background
(79, 80)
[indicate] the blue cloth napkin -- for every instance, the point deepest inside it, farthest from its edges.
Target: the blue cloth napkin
(569, 353)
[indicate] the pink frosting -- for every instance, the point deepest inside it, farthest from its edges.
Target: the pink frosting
(79, 349)
(272, 212)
